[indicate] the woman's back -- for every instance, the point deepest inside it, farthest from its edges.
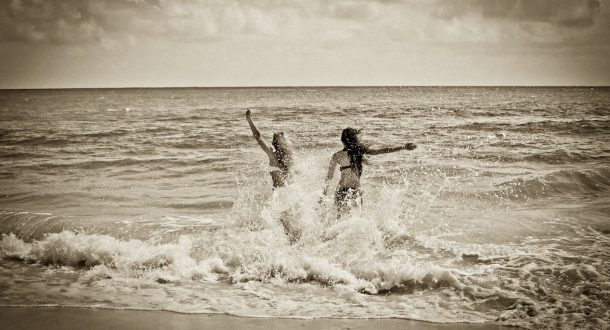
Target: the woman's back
(350, 176)
(350, 161)
(280, 156)
(279, 175)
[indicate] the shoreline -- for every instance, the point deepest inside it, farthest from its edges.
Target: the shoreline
(56, 317)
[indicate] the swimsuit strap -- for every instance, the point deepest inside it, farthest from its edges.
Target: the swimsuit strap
(341, 168)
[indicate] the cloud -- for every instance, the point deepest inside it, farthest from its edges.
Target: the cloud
(68, 21)
(78, 21)
(39, 20)
(518, 23)
(573, 13)
(113, 22)
(241, 42)
(351, 10)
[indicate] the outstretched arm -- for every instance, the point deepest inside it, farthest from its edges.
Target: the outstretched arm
(330, 173)
(257, 136)
(408, 146)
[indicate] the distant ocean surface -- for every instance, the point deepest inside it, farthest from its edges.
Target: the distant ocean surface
(160, 199)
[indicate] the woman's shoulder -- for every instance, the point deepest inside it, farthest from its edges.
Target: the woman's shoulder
(340, 153)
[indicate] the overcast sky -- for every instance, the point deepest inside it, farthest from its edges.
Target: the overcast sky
(147, 43)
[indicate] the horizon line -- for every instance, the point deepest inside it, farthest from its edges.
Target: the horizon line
(306, 86)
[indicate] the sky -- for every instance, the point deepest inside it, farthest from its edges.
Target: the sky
(179, 43)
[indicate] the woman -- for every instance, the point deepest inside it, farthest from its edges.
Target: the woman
(280, 157)
(280, 163)
(350, 160)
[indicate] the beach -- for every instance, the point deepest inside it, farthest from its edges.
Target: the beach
(65, 318)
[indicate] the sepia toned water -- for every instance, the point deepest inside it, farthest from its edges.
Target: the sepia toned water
(160, 199)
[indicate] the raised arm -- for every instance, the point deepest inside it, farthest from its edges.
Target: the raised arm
(408, 146)
(257, 136)
(331, 172)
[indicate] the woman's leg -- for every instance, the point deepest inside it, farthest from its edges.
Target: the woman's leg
(346, 198)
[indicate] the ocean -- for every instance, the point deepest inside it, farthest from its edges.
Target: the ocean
(160, 199)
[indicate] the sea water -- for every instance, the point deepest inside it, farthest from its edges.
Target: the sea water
(160, 199)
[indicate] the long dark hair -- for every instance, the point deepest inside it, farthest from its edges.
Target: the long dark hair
(283, 154)
(355, 149)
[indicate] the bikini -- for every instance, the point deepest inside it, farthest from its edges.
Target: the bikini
(347, 195)
(282, 175)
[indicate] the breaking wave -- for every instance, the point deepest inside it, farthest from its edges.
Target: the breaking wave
(570, 183)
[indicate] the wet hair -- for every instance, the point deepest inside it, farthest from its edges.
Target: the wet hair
(283, 154)
(355, 149)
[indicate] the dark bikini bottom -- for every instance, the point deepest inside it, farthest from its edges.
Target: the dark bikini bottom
(345, 196)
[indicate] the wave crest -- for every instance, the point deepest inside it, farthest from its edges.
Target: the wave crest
(133, 258)
(566, 182)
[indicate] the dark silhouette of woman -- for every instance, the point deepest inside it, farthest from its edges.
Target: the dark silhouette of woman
(280, 167)
(280, 157)
(350, 159)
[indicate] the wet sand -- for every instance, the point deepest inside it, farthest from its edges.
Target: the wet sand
(66, 318)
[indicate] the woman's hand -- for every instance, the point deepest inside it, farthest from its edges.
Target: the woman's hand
(409, 146)
(248, 113)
